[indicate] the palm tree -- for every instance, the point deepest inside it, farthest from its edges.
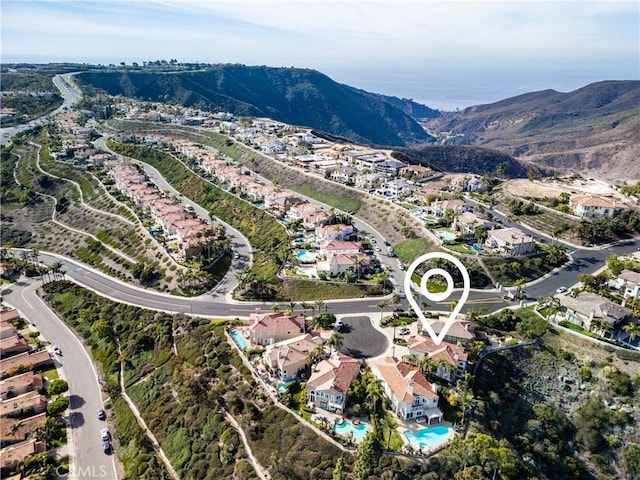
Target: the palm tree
(335, 341)
(382, 306)
(275, 308)
(292, 306)
(305, 308)
(375, 392)
(320, 305)
(633, 329)
(388, 424)
(427, 365)
(519, 285)
(396, 299)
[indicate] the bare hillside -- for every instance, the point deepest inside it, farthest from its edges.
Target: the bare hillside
(594, 130)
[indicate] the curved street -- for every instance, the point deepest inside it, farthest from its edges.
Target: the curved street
(87, 460)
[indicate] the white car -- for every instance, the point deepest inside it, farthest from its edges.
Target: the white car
(561, 289)
(57, 350)
(106, 436)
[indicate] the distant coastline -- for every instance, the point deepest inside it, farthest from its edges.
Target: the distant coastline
(450, 91)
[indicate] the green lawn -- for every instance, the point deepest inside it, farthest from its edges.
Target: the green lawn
(576, 328)
(411, 249)
(334, 199)
(50, 373)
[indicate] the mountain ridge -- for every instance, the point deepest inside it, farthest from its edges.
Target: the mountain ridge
(297, 96)
(593, 130)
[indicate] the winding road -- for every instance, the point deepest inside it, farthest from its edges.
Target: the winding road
(85, 394)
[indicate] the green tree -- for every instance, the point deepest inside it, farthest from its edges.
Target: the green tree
(57, 387)
(631, 456)
(339, 470)
(58, 406)
(388, 424)
(367, 456)
(382, 306)
(633, 329)
(335, 341)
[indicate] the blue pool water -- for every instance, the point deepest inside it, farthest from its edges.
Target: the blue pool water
(427, 437)
(237, 337)
(446, 235)
(345, 427)
(476, 247)
(305, 257)
(283, 386)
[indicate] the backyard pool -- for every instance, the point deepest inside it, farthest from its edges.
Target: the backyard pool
(428, 437)
(305, 257)
(346, 426)
(446, 235)
(476, 247)
(237, 337)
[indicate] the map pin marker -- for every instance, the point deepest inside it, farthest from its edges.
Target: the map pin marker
(409, 286)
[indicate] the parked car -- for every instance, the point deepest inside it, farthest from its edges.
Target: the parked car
(57, 350)
(236, 256)
(338, 326)
(106, 446)
(102, 415)
(106, 436)
(404, 331)
(561, 289)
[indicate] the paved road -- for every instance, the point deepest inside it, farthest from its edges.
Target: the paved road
(361, 340)
(85, 396)
(70, 96)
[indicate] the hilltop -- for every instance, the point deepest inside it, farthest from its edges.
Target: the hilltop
(593, 130)
(291, 95)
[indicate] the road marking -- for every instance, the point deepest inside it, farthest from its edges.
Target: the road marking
(25, 299)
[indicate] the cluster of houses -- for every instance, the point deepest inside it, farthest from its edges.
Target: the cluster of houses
(190, 236)
(290, 350)
(75, 133)
(22, 406)
(337, 250)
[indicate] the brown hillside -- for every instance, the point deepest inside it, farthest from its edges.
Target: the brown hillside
(594, 130)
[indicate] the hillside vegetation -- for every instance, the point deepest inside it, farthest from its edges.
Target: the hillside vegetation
(593, 129)
(291, 95)
(462, 159)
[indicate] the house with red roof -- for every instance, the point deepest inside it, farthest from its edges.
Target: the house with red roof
(11, 456)
(510, 241)
(330, 380)
(31, 402)
(13, 430)
(269, 328)
(450, 358)
(411, 395)
(287, 359)
(19, 384)
(593, 206)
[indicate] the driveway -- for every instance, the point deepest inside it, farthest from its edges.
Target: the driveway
(361, 340)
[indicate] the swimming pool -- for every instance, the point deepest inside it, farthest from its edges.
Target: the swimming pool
(346, 426)
(428, 437)
(476, 247)
(446, 235)
(305, 257)
(237, 337)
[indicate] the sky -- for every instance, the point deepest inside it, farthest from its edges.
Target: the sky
(445, 53)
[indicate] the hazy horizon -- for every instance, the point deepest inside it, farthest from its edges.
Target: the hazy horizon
(446, 54)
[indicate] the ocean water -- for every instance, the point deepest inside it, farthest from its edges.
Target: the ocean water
(451, 90)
